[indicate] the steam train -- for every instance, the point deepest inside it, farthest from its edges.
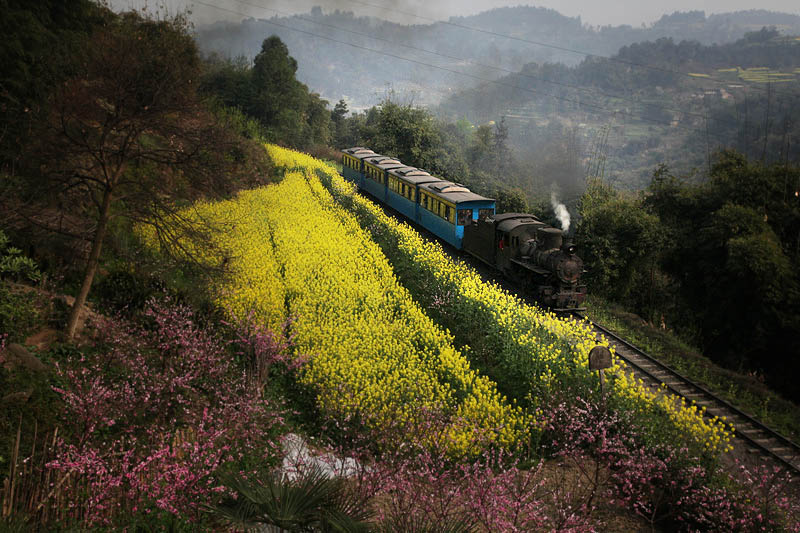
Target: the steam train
(525, 250)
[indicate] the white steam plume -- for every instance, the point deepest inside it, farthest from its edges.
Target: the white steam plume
(561, 212)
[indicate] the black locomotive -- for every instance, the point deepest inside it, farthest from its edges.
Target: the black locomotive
(531, 254)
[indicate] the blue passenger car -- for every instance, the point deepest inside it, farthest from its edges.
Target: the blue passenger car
(353, 164)
(403, 194)
(440, 206)
(376, 178)
(446, 207)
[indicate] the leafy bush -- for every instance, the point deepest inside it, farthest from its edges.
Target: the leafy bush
(15, 265)
(18, 314)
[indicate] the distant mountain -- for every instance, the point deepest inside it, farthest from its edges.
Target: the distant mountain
(654, 101)
(364, 77)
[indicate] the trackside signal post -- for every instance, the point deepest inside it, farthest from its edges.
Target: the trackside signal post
(600, 360)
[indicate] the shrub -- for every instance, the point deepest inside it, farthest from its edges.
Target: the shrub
(156, 412)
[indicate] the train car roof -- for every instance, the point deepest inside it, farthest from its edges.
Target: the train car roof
(356, 149)
(413, 175)
(411, 171)
(359, 152)
(400, 171)
(388, 165)
(380, 158)
(453, 192)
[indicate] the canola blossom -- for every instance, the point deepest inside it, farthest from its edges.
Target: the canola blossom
(549, 351)
(372, 354)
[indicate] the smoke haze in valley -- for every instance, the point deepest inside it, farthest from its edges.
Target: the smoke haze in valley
(632, 12)
(563, 116)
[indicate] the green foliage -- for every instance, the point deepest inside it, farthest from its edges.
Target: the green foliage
(123, 289)
(619, 241)
(311, 502)
(18, 314)
(342, 128)
(510, 200)
(155, 520)
(38, 40)
(273, 78)
(228, 80)
(244, 124)
(403, 131)
(718, 260)
(269, 92)
(480, 150)
(15, 265)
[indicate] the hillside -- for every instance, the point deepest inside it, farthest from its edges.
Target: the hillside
(330, 67)
(653, 102)
(203, 327)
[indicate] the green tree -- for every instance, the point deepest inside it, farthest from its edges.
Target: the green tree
(416, 138)
(480, 151)
(731, 245)
(126, 135)
(339, 112)
(38, 40)
(270, 93)
(501, 153)
(620, 242)
(509, 200)
(340, 124)
(279, 97)
(403, 131)
(317, 121)
(229, 81)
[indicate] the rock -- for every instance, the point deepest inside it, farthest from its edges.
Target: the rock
(18, 356)
(298, 456)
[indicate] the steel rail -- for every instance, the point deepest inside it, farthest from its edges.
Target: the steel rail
(705, 394)
(752, 441)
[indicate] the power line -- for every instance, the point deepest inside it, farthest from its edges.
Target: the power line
(546, 45)
(592, 92)
(596, 107)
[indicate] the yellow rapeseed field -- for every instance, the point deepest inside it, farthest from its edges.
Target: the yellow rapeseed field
(373, 355)
(519, 322)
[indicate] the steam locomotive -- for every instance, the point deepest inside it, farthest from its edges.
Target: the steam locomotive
(524, 249)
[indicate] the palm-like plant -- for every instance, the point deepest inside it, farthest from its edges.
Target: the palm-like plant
(423, 524)
(312, 502)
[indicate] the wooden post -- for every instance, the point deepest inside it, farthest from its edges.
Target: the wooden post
(600, 359)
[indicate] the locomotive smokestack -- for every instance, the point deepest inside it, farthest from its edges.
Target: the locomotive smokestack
(549, 238)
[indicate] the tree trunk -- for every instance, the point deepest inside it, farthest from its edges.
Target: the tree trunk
(91, 266)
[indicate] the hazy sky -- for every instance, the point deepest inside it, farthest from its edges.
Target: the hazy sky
(633, 12)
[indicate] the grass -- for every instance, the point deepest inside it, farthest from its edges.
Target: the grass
(745, 391)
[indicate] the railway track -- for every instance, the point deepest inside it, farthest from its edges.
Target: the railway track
(750, 433)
